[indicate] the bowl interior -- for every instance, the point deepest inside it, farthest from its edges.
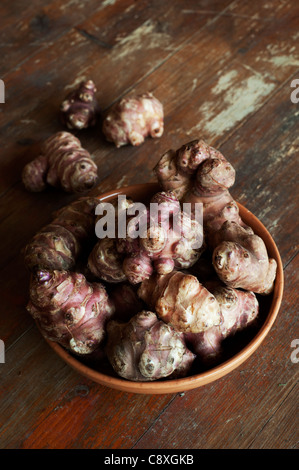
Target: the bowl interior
(269, 307)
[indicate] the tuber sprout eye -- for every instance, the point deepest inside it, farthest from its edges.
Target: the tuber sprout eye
(69, 317)
(149, 367)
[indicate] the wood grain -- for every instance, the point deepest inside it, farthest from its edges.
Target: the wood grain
(223, 71)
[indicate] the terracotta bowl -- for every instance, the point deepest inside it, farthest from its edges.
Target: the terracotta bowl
(268, 312)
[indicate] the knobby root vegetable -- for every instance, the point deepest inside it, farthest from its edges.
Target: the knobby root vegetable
(137, 267)
(238, 310)
(183, 235)
(70, 310)
(105, 263)
(63, 163)
(34, 174)
(80, 108)
(145, 349)
(171, 240)
(59, 244)
(157, 241)
(134, 118)
(241, 259)
(182, 301)
(198, 173)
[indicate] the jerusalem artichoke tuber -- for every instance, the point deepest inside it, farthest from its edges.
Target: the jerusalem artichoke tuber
(134, 118)
(198, 173)
(146, 349)
(59, 244)
(137, 267)
(181, 300)
(80, 108)
(171, 240)
(164, 239)
(241, 260)
(238, 310)
(63, 163)
(34, 174)
(70, 310)
(105, 263)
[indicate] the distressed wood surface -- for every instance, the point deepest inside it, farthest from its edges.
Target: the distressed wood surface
(223, 70)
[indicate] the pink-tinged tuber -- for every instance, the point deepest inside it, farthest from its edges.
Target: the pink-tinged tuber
(80, 108)
(134, 118)
(241, 260)
(70, 310)
(198, 173)
(34, 174)
(146, 349)
(137, 267)
(59, 244)
(105, 263)
(164, 239)
(171, 240)
(238, 310)
(63, 163)
(180, 300)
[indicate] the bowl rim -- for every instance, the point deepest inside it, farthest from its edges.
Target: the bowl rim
(166, 386)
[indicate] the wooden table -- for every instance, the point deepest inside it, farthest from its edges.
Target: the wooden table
(223, 70)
